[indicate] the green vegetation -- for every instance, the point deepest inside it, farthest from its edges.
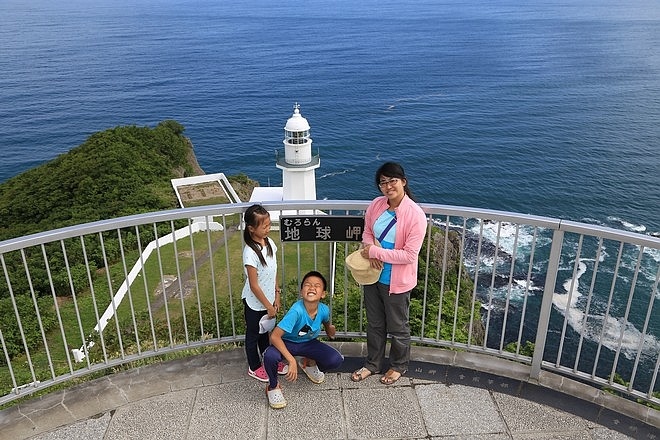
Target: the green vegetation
(117, 172)
(120, 171)
(620, 381)
(526, 350)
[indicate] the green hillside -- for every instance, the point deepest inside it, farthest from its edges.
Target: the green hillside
(120, 171)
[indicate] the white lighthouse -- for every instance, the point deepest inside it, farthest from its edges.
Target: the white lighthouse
(298, 163)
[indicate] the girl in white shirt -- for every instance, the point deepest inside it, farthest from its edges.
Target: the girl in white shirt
(261, 292)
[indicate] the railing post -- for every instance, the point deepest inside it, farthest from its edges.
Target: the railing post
(546, 303)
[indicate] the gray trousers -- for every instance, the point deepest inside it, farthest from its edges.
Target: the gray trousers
(387, 314)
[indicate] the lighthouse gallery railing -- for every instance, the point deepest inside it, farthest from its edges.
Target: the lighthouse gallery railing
(571, 298)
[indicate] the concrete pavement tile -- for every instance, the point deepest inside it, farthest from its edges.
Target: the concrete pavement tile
(459, 410)
(62, 407)
(15, 425)
(524, 416)
(474, 437)
(210, 378)
(161, 417)
(181, 375)
(36, 416)
(383, 413)
(416, 382)
(141, 383)
(474, 378)
(310, 413)
(212, 367)
(92, 428)
(230, 411)
(602, 433)
(303, 383)
(428, 371)
(233, 373)
(557, 399)
(627, 425)
(357, 350)
(587, 434)
(574, 435)
(92, 398)
(491, 364)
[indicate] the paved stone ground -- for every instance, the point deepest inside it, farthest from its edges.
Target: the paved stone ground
(209, 396)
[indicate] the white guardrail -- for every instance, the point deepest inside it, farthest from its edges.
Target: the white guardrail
(575, 299)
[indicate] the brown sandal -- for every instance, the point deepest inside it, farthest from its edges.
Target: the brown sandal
(361, 374)
(391, 377)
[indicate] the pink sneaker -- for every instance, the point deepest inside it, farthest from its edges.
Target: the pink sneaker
(282, 368)
(259, 374)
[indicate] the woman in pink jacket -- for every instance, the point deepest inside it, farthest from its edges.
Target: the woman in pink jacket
(399, 225)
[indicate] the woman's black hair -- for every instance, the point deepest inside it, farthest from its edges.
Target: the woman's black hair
(393, 170)
(253, 216)
(314, 273)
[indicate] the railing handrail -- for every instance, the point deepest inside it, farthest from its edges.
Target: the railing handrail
(349, 205)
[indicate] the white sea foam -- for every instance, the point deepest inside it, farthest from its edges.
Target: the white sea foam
(440, 221)
(516, 290)
(336, 173)
(571, 286)
(507, 237)
(627, 225)
(592, 221)
(522, 284)
(616, 332)
(654, 254)
(424, 97)
(648, 266)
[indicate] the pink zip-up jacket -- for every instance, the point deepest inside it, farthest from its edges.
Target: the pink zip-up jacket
(411, 226)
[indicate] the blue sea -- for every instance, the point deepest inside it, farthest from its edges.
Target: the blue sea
(548, 108)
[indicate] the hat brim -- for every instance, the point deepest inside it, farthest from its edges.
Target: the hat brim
(361, 269)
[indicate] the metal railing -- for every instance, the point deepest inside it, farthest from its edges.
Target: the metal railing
(566, 297)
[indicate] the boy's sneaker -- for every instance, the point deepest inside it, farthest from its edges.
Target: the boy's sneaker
(259, 374)
(312, 371)
(282, 368)
(276, 399)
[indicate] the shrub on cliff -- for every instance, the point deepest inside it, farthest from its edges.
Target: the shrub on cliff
(116, 172)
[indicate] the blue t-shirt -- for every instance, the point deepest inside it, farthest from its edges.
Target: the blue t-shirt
(298, 326)
(388, 242)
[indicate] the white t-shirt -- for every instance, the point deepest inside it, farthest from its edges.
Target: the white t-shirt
(266, 275)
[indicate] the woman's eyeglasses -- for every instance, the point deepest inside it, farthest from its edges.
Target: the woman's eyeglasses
(384, 183)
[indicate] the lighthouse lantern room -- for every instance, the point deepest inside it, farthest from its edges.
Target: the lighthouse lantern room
(298, 164)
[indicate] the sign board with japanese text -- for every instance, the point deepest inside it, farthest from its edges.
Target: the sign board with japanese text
(321, 227)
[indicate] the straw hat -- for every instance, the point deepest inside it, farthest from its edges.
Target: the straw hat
(361, 269)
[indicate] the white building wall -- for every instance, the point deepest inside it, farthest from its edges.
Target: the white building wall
(299, 185)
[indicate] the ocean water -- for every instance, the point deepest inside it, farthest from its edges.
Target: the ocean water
(551, 109)
(548, 108)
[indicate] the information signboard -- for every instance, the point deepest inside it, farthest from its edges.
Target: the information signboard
(321, 228)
